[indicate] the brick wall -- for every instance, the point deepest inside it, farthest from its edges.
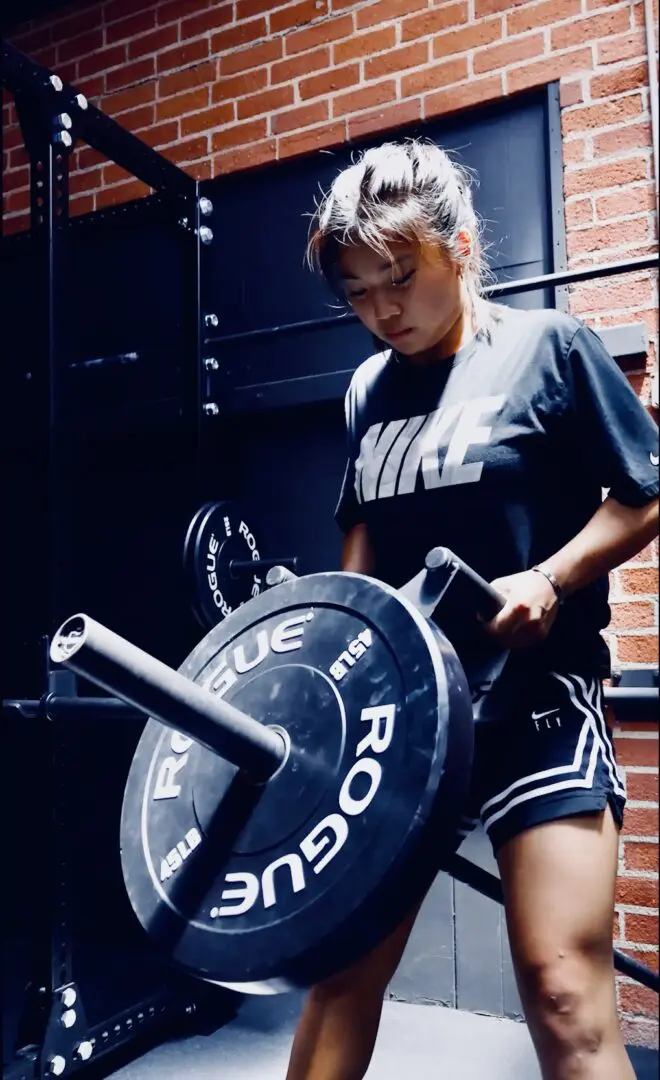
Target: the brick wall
(220, 86)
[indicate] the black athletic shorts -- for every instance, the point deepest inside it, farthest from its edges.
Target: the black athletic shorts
(550, 756)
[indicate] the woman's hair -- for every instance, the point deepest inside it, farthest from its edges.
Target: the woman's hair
(408, 191)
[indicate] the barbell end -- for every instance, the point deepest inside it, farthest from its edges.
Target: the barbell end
(277, 575)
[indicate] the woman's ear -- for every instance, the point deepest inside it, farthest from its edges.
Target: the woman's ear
(464, 244)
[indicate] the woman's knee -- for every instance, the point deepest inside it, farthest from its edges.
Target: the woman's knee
(570, 1003)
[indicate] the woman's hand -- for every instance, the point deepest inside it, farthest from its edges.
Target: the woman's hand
(530, 610)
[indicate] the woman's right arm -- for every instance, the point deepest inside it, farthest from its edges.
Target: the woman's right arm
(357, 553)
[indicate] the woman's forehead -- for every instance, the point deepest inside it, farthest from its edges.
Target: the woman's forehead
(358, 259)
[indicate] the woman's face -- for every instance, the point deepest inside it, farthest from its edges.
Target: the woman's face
(413, 303)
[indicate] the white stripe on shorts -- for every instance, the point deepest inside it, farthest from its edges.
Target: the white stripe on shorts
(590, 732)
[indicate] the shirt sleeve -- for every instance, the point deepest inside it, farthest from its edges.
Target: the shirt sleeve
(348, 513)
(616, 436)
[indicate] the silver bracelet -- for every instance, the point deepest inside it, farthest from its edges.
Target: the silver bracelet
(549, 576)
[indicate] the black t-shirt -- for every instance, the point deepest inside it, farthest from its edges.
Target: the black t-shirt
(500, 453)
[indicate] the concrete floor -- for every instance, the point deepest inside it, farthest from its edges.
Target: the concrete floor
(421, 1042)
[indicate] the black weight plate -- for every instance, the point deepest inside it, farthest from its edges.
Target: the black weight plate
(264, 888)
(219, 535)
(189, 553)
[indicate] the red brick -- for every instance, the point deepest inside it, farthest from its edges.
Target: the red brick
(648, 553)
(629, 616)
(114, 174)
(187, 79)
(637, 891)
(80, 46)
(246, 9)
(329, 82)
(92, 87)
(570, 93)
(88, 157)
(134, 73)
(120, 9)
(306, 64)
(82, 204)
(17, 200)
(206, 21)
(190, 52)
(241, 34)
(613, 295)
(239, 134)
(153, 43)
(368, 44)
(200, 170)
(280, 97)
(610, 175)
(632, 751)
(490, 7)
(239, 85)
(18, 157)
(13, 138)
(595, 27)
(531, 17)
(381, 11)
(640, 856)
(85, 181)
(434, 76)
(546, 71)
(48, 58)
(161, 134)
(510, 52)
(115, 196)
(245, 157)
(170, 11)
(17, 179)
(605, 114)
(118, 103)
(638, 650)
(620, 81)
(457, 98)
(639, 1032)
(639, 579)
(302, 117)
(634, 998)
(216, 116)
(330, 30)
(187, 149)
(305, 142)
(389, 118)
(642, 787)
(432, 22)
(31, 39)
(127, 29)
(368, 98)
(138, 118)
(103, 61)
(622, 47)
(12, 225)
(573, 151)
(391, 63)
(296, 15)
(580, 212)
(191, 101)
(630, 137)
(458, 41)
(640, 822)
(252, 57)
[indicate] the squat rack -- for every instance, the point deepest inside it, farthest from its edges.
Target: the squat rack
(53, 115)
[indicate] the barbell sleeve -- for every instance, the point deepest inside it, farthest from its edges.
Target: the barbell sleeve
(118, 666)
(238, 568)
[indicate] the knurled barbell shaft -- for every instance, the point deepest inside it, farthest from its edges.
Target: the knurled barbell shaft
(112, 662)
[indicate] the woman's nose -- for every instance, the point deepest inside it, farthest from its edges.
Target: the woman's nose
(385, 307)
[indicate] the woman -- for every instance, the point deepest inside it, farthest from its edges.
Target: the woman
(493, 432)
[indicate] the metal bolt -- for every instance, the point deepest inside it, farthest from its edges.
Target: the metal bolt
(64, 120)
(56, 83)
(205, 206)
(69, 1018)
(82, 101)
(211, 364)
(206, 234)
(211, 409)
(183, 222)
(57, 1065)
(69, 997)
(64, 138)
(211, 320)
(84, 1050)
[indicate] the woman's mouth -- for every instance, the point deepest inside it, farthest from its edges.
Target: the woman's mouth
(398, 334)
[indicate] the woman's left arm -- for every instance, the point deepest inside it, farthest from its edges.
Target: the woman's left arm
(613, 535)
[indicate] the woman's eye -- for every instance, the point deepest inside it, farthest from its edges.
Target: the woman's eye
(405, 279)
(357, 294)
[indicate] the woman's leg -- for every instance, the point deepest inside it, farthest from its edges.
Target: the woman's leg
(337, 1030)
(559, 880)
